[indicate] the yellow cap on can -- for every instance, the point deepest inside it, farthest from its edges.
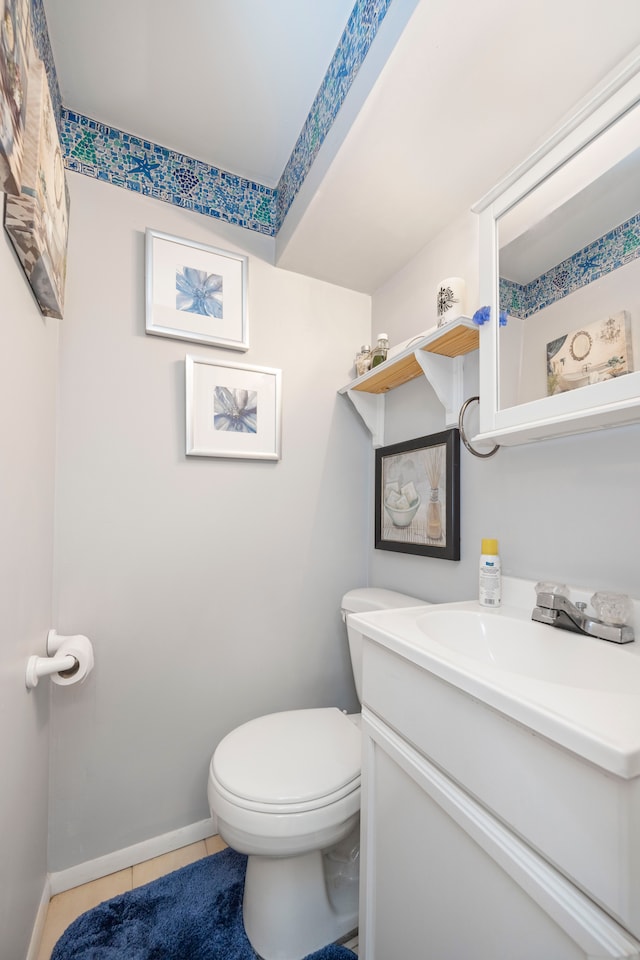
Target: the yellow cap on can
(490, 547)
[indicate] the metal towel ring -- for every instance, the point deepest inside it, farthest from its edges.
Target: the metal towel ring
(476, 453)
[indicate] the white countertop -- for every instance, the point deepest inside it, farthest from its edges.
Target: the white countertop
(579, 692)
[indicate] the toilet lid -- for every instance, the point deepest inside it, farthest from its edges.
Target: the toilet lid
(290, 757)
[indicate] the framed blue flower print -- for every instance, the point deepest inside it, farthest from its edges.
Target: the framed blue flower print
(233, 410)
(195, 292)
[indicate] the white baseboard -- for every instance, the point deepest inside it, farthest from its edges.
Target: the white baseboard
(129, 856)
(38, 926)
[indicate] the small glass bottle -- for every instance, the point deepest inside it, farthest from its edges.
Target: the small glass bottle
(379, 354)
(363, 360)
(434, 515)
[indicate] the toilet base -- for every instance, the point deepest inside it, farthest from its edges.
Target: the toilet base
(296, 905)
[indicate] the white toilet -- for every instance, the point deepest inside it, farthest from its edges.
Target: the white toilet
(285, 790)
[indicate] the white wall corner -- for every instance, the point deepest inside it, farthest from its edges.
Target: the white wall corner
(41, 917)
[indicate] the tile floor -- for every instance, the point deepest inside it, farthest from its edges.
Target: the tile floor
(65, 907)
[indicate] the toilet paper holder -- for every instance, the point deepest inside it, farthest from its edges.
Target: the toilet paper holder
(38, 667)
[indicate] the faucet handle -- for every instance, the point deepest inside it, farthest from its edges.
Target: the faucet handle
(613, 608)
(550, 586)
(580, 605)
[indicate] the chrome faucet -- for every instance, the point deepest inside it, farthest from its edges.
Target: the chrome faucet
(558, 611)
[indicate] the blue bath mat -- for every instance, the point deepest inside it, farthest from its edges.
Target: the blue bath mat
(191, 914)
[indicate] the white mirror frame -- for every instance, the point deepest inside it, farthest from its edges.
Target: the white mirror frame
(569, 412)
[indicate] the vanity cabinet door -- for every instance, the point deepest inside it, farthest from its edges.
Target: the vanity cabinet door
(444, 880)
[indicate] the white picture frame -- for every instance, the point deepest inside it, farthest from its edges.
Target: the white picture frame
(195, 292)
(232, 410)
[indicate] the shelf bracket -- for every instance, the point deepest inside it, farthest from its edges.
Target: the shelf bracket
(438, 355)
(445, 374)
(370, 406)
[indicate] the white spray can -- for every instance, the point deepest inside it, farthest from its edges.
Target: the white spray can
(490, 592)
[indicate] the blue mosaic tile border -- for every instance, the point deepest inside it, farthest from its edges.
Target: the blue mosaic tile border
(42, 43)
(512, 297)
(358, 35)
(124, 160)
(108, 154)
(615, 249)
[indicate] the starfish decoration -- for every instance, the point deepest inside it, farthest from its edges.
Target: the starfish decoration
(588, 264)
(144, 166)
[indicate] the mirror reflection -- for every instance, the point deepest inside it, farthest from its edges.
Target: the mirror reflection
(569, 273)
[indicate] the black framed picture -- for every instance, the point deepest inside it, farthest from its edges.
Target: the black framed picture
(417, 496)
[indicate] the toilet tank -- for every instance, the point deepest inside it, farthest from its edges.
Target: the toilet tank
(366, 600)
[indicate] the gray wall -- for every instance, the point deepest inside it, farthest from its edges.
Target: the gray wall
(28, 356)
(565, 509)
(210, 588)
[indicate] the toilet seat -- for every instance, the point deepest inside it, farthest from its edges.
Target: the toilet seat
(290, 762)
(285, 808)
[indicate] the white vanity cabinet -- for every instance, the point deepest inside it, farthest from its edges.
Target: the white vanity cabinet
(560, 254)
(480, 839)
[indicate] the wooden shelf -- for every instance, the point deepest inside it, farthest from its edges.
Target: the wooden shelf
(462, 337)
(437, 356)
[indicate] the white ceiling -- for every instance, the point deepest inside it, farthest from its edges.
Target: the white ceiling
(466, 94)
(229, 82)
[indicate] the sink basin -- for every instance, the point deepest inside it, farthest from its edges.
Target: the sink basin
(504, 642)
(577, 691)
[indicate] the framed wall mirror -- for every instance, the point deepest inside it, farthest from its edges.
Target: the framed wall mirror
(560, 253)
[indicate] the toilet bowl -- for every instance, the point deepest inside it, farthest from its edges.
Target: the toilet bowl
(285, 791)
